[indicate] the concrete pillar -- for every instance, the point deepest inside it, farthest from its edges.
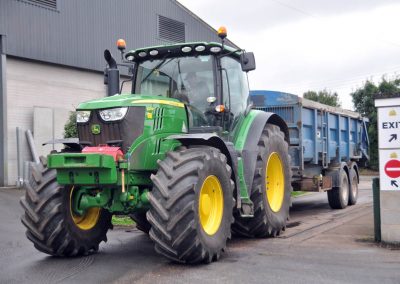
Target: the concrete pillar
(389, 166)
(3, 113)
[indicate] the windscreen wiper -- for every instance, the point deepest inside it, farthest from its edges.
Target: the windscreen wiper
(157, 67)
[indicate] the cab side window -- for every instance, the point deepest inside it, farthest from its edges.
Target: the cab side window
(235, 86)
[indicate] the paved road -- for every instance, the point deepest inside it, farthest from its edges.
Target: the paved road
(320, 246)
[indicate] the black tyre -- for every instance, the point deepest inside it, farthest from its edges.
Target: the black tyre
(51, 225)
(141, 222)
(271, 188)
(338, 197)
(353, 194)
(191, 205)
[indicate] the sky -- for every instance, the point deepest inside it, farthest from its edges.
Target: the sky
(303, 45)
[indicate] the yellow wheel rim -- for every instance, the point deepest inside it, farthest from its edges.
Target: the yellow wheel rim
(274, 182)
(87, 221)
(211, 205)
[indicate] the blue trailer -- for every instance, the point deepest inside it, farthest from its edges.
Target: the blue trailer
(327, 144)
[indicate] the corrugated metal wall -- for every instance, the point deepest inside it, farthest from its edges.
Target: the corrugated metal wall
(59, 89)
(77, 33)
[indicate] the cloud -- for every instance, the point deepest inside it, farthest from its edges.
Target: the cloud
(311, 44)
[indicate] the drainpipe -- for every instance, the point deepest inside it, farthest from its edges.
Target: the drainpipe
(3, 114)
(31, 143)
(20, 180)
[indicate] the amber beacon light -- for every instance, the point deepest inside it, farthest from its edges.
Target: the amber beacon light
(121, 44)
(222, 32)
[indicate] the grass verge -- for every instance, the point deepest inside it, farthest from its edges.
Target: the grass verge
(368, 172)
(122, 221)
(298, 193)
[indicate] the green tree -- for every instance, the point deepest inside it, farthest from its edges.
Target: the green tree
(363, 100)
(70, 130)
(323, 97)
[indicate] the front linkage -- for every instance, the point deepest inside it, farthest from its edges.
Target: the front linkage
(100, 178)
(70, 199)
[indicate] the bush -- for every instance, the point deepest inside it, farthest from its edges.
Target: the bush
(70, 130)
(364, 103)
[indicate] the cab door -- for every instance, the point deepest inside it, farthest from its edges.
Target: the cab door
(235, 94)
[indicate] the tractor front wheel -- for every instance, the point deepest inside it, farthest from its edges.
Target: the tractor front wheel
(52, 225)
(191, 205)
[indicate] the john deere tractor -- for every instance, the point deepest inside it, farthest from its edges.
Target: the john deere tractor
(183, 154)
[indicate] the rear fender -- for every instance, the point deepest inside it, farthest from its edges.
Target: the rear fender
(249, 151)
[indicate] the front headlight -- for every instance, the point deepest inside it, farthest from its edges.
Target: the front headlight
(113, 114)
(82, 116)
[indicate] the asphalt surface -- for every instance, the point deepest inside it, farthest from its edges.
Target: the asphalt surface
(320, 245)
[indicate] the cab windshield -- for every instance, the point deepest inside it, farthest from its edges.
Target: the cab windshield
(188, 79)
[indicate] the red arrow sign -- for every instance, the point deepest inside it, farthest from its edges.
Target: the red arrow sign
(392, 168)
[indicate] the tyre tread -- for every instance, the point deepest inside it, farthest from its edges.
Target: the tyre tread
(172, 213)
(43, 215)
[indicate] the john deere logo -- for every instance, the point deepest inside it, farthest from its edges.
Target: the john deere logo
(96, 129)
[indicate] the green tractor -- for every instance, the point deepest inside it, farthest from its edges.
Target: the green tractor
(183, 154)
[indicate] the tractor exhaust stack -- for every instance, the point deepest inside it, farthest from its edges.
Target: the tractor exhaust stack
(111, 74)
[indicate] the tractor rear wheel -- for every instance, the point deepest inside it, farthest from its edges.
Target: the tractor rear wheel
(191, 205)
(141, 222)
(271, 189)
(338, 197)
(52, 225)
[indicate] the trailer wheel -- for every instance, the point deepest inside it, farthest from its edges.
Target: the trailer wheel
(353, 187)
(141, 222)
(51, 224)
(191, 205)
(271, 188)
(338, 197)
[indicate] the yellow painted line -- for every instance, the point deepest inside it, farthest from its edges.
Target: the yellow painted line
(161, 102)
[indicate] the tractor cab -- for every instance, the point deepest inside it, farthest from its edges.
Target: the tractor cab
(208, 78)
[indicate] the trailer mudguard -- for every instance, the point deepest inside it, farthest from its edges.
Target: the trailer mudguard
(227, 148)
(336, 172)
(249, 150)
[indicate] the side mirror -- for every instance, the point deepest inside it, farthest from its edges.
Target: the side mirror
(247, 61)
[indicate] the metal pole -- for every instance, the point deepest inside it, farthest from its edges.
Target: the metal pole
(31, 144)
(377, 209)
(3, 114)
(19, 162)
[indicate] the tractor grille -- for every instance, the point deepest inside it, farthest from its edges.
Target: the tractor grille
(114, 133)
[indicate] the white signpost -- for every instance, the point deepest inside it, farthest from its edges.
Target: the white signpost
(389, 166)
(389, 143)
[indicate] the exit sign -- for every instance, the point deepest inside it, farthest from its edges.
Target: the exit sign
(389, 127)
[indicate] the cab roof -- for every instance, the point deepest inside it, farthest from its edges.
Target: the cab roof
(180, 49)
